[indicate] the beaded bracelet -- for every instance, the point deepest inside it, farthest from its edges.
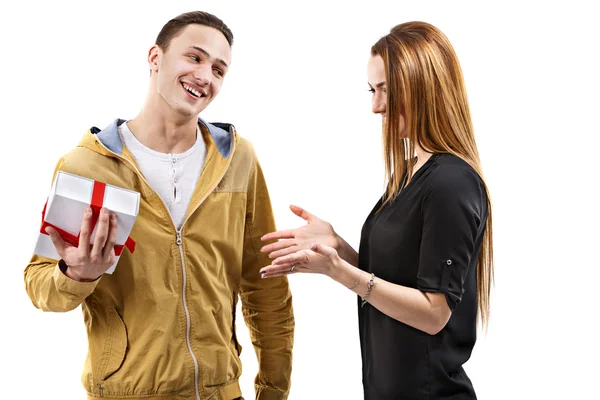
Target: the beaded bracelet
(370, 285)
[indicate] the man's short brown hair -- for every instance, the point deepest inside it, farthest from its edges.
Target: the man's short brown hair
(174, 26)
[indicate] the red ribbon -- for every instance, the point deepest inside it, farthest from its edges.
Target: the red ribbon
(96, 206)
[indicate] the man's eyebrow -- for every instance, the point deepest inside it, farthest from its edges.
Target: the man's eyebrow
(206, 54)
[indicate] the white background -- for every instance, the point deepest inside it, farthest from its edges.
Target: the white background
(297, 89)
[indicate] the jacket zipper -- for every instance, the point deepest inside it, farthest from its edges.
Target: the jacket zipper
(187, 315)
(100, 390)
(179, 242)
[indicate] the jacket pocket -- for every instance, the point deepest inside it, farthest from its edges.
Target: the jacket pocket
(114, 348)
(233, 333)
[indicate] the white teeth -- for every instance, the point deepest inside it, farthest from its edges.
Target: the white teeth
(191, 90)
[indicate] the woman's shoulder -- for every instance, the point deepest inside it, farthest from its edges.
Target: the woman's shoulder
(451, 172)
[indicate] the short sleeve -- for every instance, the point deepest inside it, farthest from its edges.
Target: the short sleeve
(453, 210)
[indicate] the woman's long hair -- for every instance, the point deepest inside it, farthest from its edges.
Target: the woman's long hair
(425, 86)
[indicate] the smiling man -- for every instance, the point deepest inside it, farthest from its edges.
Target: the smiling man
(162, 326)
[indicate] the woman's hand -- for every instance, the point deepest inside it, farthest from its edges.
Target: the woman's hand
(315, 231)
(319, 259)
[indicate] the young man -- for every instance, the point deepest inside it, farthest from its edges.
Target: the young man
(162, 326)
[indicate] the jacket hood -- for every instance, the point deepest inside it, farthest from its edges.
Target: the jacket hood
(222, 134)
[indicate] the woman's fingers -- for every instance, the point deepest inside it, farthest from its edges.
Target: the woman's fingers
(285, 234)
(294, 258)
(282, 244)
(284, 252)
(302, 213)
(278, 270)
(323, 250)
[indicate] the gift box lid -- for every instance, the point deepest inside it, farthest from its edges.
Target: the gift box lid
(69, 188)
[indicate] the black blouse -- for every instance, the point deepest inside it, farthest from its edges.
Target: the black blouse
(428, 238)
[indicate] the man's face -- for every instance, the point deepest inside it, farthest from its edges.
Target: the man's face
(189, 74)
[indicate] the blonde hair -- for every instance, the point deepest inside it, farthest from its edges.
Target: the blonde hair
(425, 86)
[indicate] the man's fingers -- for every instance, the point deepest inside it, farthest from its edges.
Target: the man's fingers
(101, 236)
(84, 233)
(57, 241)
(109, 248)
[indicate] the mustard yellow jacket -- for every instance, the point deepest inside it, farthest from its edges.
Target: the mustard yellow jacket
(162, 326)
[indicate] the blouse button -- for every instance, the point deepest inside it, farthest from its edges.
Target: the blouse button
(448, 262)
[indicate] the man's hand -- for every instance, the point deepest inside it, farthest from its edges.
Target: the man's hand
(87, 262)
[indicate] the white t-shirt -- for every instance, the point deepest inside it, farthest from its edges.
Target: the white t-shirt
(172, 176)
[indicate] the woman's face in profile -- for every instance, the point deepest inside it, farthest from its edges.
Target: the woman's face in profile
(378, 86)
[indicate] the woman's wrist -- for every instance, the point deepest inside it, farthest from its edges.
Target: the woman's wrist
(338, 243)
(345, 273)
(343, 249)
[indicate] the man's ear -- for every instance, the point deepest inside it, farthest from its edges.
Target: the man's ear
(154, 58)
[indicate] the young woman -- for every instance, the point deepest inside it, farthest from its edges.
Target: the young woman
(424, 268)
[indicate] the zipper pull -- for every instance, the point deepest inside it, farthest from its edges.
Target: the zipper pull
(100, 390)
(178, 238)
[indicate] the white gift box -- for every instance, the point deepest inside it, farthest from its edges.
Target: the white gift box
(70, 196)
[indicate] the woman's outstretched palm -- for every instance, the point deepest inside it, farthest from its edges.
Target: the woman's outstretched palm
(315, 231)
